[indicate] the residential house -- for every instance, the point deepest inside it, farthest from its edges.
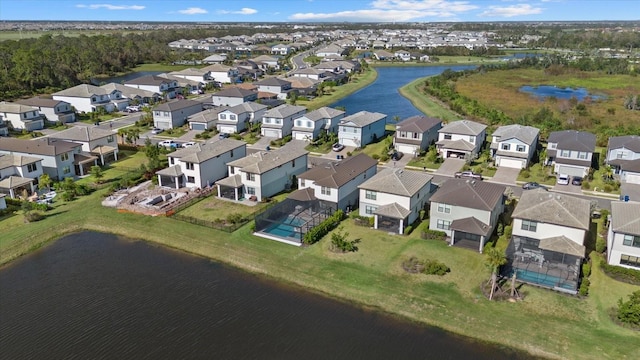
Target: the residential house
(60, 158)
(382, 55)
(337, 182)
(134, 95)
(52, 110)
(222, 73)
(394, 197)
(274, 85)
(547, 242)
(262, 174)
(3, 203)
(88, 98)
(623, 241)
(238, 118)
(233, 96)
(623, 155)
(169, 88)
(467, 211)
(330, 50)
(266, 62)
(17, 174)
(416, 133)
(514, 145)
(280, 49)
(304, 86)
(402, 55)
(201, 165)
(185, 85)
(312, 124)
(197, 75)
(571, 152)
(462, 139)
(311, 73)
(361, 128)
(174, 113)
(206, 119)
(278, 121)
(97, 142)
(215, 59)
(21, 117)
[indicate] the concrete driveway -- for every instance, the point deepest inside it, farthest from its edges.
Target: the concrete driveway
(450, 167)
(506, 176)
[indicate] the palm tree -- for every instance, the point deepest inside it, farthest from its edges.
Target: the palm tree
(495, 259)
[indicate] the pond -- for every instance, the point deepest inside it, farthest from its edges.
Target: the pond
(92, 295)
(547, 91)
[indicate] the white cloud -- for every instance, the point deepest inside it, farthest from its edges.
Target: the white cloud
(394, 10)
(193, 11)
(110, 7)
(243, 11)
(511, 11)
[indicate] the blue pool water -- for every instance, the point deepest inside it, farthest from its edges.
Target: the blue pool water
(286, 229)
(546, 91)
(542, 279)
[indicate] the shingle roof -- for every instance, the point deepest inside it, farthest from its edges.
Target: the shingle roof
(40, 102)
(273, 81)
(263, 161)
(471, 225)
(459, 144)
(393, 210)
(82, 90)
(11, 160)
(13, 182)
(190, 72)
(323, 113)
(206, 115)
(573, 140)
(363, 118)
(173, 171)
(306, 194)
(418, 124)
(15, 108)
(128, 91)
(338, 173)
(283, 111)
(217, 68)
(249, 106)
(553, 208)
(562, 244)
(235, 92)
(397, 181)
(625, 217)
(470, 194)
(201, 152)
(42, 146)
(463, 127)
(526, 134)
(82, 133)
(234, 181)
(148, 80)
(177, 105)
(631, 142)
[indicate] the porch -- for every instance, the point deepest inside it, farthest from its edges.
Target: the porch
(171, 177)
(83, 163)
(391, 218)
(469, 233)
(14, 186)
(230, 188)
(105, 154)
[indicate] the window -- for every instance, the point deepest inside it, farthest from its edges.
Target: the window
(298, 123)
(24, 115)
(93, 99)
(251, 190)
(251, 177)
(171, 161)
(355, 130)
(32, 167)
(416, 135)
(293, 163)
(621, 155)
(371, 195)
(447, 136)
(369, 210)
(278, 121)
(232, 117)
(66, 170)
(223, 116)
(630, 260)
(506, 146)
(267, 121)
(110, 138)
(166, 114)
(582, 155)
(444, 208)
(231, 153)
(191, 179)
(630, 240)
(308, 123)
(552, 146)
(565, 153)
(472, 139)
(189, 166)
(520, 148)
(443, 224)
(325, 190)
(302, 183)
(64, 157)
(529, 225)
(232, 170)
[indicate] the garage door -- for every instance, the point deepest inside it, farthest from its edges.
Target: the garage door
(227, 129)
(198, 126)
(348, 142)
(570, 170)
(301, 136)
(270, 133)
(511, 163)
(405, 149)
(633, 178)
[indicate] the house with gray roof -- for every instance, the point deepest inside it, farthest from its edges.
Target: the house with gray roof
(361, 128)
(233, 96)
(52, 110)
(278, 121)
(88, 98)
(329, 50)
(238, 118)
(514, 145)
(570, 152)
(323, 120)
(206, 119)
(462, 139)
(337, 182)
(21, 116)
(19, 173)
(416, 133)
(197, 75)
(222, 73)
(141, 96)
(60, 158)
(395, 197)
(262, 174)
(274, 85)
(174, 114)
(623, 241)
(623, 155)
(95, 141)
(156, 84)
(201, 165)
(467, 211)
(547, 243)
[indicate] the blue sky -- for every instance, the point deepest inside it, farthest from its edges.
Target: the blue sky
(321, 10)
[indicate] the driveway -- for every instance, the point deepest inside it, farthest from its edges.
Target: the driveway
(570, 189)
(450, 167)
(506, 176)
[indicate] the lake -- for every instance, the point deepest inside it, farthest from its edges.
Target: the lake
(546, 91)
(92, 295)
(383, 96)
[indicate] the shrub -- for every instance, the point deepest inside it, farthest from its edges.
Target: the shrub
(620, 273)
(234, 218)
(586, 269)
(601, 245)
(586, 185)
(408, 230)
(429, 234)
(434, 267)
(629, 312)
(340, 243)
(318, 232)
(413, 265)
(33, 216)
(525, 174)
(584, 287)
(375, 156)
(384, 157)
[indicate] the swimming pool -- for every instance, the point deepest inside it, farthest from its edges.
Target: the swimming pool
(545, 280)
(288, 228)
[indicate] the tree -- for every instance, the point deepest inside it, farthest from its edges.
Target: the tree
(339, 241)
(44, 182)
(97, 173)
(152, 152)
(494, 260)
(629, 311)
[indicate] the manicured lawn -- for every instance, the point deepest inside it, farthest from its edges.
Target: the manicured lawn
(427, 105)
(537, 173)
(422, 162)
(174, 133)
(212, 208)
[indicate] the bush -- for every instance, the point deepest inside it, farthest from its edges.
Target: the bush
(340, 243)
(586, 269)
(586, 185)
(429, 234)
(629, 312)
(234, 218)
(584, 287)
(434, 267)
(375, 157)
(601, 245)
(318, 232)
(620, 273)
(33, 216)
(408, 230)
(525, 174)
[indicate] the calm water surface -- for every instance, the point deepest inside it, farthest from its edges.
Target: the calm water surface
(96, 296)
(546, 91)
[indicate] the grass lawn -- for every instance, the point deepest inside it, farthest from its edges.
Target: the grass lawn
(537, 173)
(422, 162)
(426, 104)
(358, 81)
(161, 67)
(174, 133)
(212, 208)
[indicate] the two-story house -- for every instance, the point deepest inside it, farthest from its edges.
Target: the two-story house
(281, 49)
(330, 50)
(97, 142)
(266, 62)
(192, 74)
(52, 110)
(623, 155)
(467, 211)
(273, 85)
(547, 242)
(416, 133)
(313, 123)
(570, 152)
(233, 96)
(60, 158)
(21, 116)
(19, 173)
(87, 98)
(623, 241)
(361, 128)
(222, 73)
(337, 182)
(394, 197)
(134, 95)
(238, 118)
(461, 139)
(278, 121)
(202, 164)
(206, 119)
(262, 174)
(514, 145)
(157, 84)
(174, 113)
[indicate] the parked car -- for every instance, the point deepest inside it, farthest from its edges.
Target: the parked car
(532, 185)
(132, 108)
(156, 131)
(468, 175)
(169, 143)
(197, 92)
(188, 144)
(224, 135)
(577, 180)
(563, 179)
(396, 156)
(337, 147)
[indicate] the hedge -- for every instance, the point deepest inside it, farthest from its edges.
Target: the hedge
(429, 234)
(318, 232)
(620, 273)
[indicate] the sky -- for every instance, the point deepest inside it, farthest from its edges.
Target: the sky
(306, 11)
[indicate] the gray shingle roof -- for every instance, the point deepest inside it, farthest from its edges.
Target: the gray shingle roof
(393, 210)
(338, 173)
(15, 108)
(418, 124)
(206, 115)
(249, 106)
(306, 194)
(471, 225)
(631, 142)
(173, 171)
(82, 133)
(42, 146)
(363, 118)
(562, 244)
(11, 160)
(40, 102)
(470, 194)
(526, 134)
(397, 181)
(235, 92)
(148, 80)
(263, 161)
(273, 81)
(573, 140)
(283, 111)
(82, 90)
(128, 91)
(553, 208)
(463, 127)
(177, 105)
(625, 217)
(459, 144)
(323, 113)
(201, 152)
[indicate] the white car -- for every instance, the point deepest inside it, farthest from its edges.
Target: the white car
(188, 144)
(168, 143)
(563, 179)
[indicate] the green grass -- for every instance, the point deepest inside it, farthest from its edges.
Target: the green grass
(426, 104)
(358, 81)
(422, 162)
(17, 35)
(537, 173)
(212, 208)
(161, 67)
